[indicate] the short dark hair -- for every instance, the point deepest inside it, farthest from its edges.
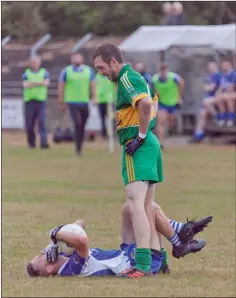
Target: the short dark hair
(76, 53)
(107, 51)
(31, 271)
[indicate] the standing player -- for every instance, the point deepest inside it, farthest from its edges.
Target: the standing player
(76, 88)
(105, 95)
(35, 84)
(141, 154)
(169, 87)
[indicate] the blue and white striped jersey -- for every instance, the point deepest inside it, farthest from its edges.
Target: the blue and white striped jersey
(102, 262)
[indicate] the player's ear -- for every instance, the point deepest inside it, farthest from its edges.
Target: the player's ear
(113, 62)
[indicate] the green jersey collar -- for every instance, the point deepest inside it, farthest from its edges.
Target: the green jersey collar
(123, 70)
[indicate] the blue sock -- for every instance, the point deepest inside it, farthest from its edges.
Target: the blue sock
(231, 116)
(224, 116)
(177, 226)
(199, 135)
(221, 116)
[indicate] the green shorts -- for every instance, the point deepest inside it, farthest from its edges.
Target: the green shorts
(145, 164)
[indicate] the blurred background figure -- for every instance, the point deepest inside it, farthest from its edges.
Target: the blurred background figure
(105, 95)
(226, 95)
(140, 67)
(178, 17)
(167, 14)
(75, 89)
(173, 14)
(169, 88)
(35, 84)
(212, 84)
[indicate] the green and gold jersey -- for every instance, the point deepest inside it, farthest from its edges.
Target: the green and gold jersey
(131, 88)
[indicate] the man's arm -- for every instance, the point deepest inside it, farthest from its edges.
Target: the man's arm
(181, 87)
(231, 83)
(93, 90)
(27, 84)
(60, 92)
(93, 85)
(61, 88)
(209, 87)
(80, 223)
(80, 243)
(144, 107)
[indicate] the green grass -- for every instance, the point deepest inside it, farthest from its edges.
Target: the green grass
(42, 189)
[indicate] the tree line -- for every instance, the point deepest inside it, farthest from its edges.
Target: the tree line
(29, 20)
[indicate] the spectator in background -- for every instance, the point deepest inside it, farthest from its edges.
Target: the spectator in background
(105, 94)
(130, 63)
(212, 84)
(173, 14)
(226, 95)
(76, 87)
(35, 84)
(169, 88)
(167, 14)
(140, 67)
(178, 17)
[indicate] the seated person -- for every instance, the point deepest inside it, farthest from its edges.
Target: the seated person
(211, 86)
(226, 95)
(98, 262)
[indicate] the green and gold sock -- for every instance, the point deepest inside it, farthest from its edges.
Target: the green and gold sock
(143, 259)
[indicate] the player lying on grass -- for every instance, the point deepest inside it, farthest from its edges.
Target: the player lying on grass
(99, 262)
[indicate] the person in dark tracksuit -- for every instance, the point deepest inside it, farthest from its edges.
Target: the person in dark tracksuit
(35, 84)
(105, 94)
(76, 88)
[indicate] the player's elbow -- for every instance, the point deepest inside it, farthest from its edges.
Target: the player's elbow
(81, 223)
(83, 240)
(182, 83)
(145, 106)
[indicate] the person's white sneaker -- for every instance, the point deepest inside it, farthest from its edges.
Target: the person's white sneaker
(229, 123)
(221, 123)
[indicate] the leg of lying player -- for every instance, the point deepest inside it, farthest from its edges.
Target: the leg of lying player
(136, 195)
(180, 234)
(128, 240)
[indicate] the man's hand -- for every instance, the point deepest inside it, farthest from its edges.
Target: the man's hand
(62, 104)
(54, 232)
(51, 252)
(180, 101)
(134, 145)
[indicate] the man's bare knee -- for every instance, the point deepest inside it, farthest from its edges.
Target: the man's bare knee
(126, 209)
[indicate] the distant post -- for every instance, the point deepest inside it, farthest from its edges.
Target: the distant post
(6, 40)
(39, 44)
(81, 42)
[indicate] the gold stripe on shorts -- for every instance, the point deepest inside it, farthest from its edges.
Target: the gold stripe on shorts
(130, 168)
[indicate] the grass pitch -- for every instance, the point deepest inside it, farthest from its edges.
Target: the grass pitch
(42, 189)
